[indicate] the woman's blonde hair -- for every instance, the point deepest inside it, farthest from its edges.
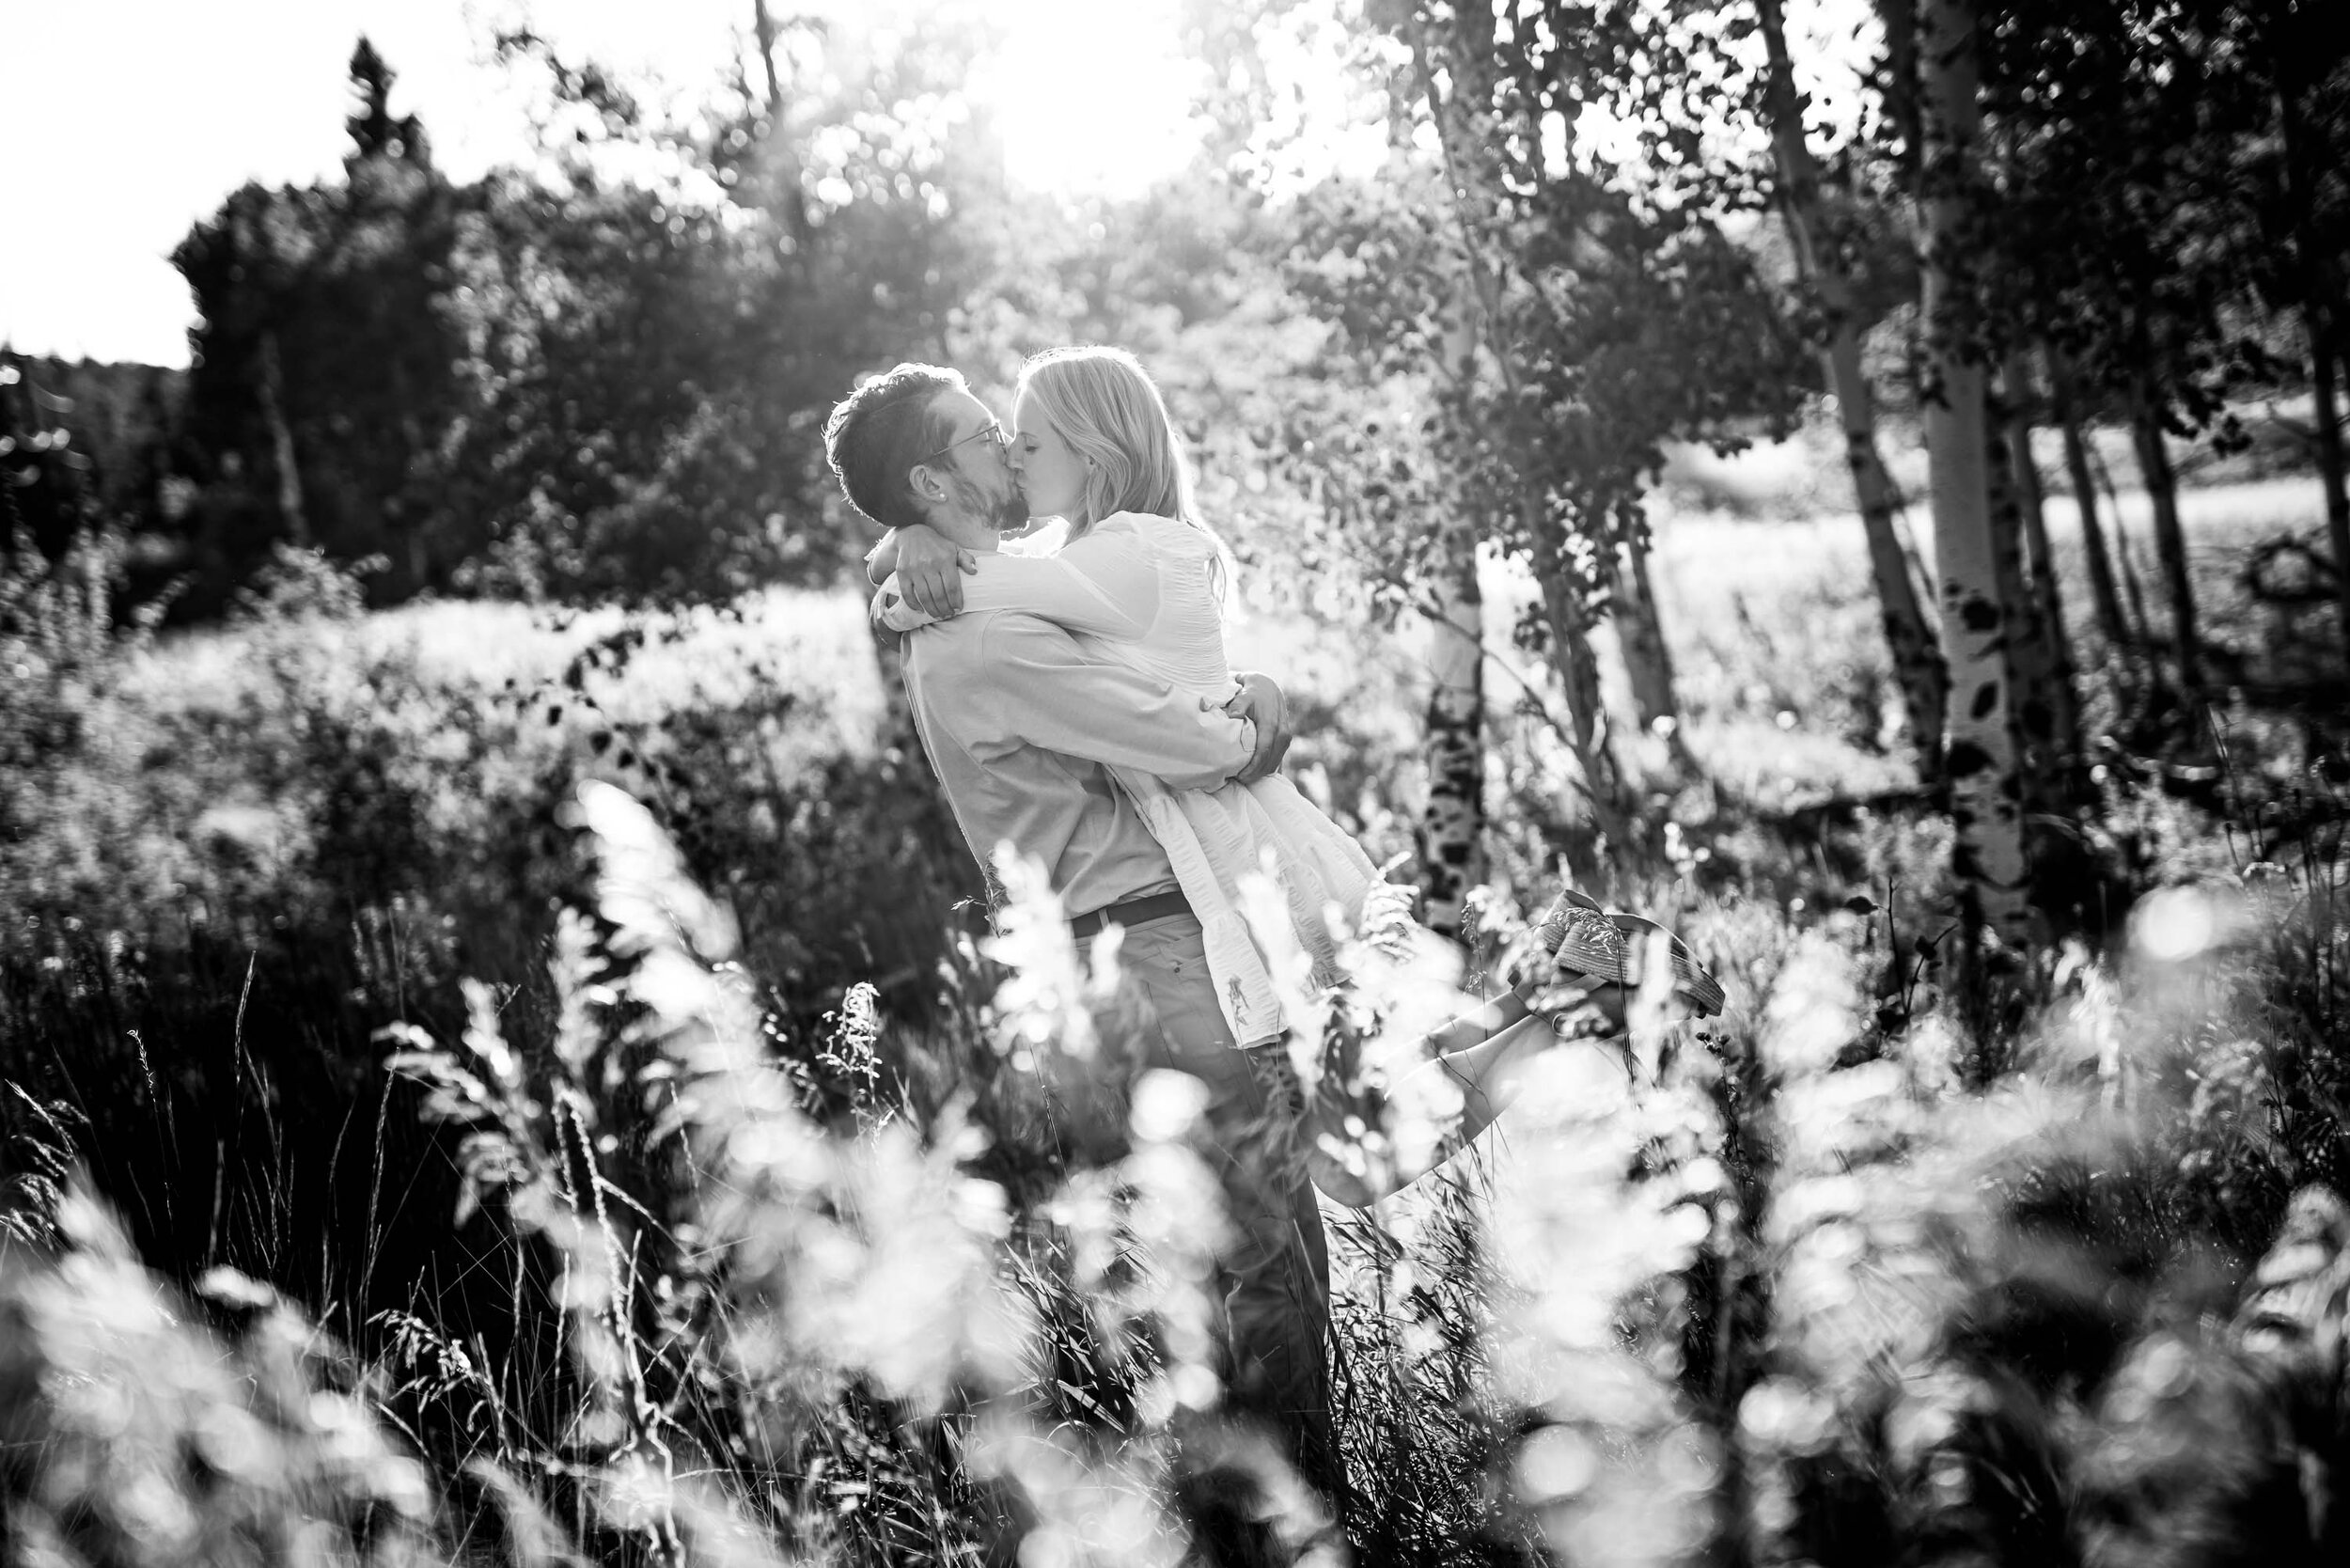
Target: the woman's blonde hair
(1109, 411)
(1108, 408)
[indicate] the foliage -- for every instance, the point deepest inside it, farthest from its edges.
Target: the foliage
(1520, 318)
(110, 426)
(1523, 1363)
(229, 863)
(601, 376)
(1783, 1283)
(724, 1198)
(44, 482)
(323, 368)
(64, 651)
(141, 1437)
(2120, 231)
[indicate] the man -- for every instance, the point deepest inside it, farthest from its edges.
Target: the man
(1019, 726)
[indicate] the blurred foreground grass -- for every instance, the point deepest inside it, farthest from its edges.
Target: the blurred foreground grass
(768, 1248)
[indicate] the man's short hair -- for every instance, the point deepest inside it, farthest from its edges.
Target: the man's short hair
(878, 433)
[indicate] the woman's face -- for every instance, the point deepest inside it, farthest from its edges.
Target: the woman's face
(1052, 474)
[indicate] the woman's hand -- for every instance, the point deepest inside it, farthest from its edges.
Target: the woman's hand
(930, 571)
(1259, 701)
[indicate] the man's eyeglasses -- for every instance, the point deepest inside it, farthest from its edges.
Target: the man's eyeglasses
(993, 432)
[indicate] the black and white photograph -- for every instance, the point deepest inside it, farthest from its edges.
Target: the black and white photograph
(1174, 784)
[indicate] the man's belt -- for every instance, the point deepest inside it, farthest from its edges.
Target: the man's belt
(1129, 912)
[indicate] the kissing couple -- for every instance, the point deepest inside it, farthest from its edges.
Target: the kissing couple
(1080, 711)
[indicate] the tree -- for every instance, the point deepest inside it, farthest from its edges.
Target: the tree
(322, 381)
(1609, 314)
(375, 132)
(44, 483)
(1986, 807)
(2065, 407)
(246, 266)
(1821, 252)
(2302, 50)
(585, 380)
(2149, 432)
(649, 365)
(114, 424)
(2047, 697)
(2124, 243)
(1450, 835)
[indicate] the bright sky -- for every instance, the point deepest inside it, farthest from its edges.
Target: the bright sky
(125, 122)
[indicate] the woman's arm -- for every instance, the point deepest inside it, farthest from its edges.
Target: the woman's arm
(1103, 583)
(882, 560)
(928, 568)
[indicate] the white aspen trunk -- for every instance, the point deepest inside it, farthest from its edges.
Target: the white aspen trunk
(1450, 835)
(1918, 665)
(1987, 848)
(1569, 618)
(1452, 831)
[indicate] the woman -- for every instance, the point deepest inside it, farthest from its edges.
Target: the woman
(1140, 579)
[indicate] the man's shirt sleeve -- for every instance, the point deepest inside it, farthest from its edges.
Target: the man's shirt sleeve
(1046, 693)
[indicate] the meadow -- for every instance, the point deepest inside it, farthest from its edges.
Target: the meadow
(730, 1195)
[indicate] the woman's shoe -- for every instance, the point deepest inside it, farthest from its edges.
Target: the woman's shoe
(1610, 947)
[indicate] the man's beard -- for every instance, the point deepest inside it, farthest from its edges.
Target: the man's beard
(1003, 514)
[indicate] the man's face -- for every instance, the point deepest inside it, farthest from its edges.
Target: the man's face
(968, 481)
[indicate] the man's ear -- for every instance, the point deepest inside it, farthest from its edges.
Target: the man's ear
(922, 481)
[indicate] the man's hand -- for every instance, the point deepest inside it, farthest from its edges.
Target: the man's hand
(1259, 701)
(930, 571)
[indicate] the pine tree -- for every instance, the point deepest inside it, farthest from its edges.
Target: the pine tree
(375, 132)
(325, 371)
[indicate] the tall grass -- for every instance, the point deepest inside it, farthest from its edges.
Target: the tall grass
(770, 1223)
(1783, 1290)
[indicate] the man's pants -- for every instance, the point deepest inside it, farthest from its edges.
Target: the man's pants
(1277, 1266)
